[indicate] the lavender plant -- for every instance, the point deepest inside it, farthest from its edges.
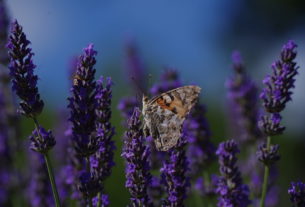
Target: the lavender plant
(243, 98)
(102, 161)
(230, 188)
(174, 175)
(136, 154)
(24, 83)
(82, 105)
(275, 96)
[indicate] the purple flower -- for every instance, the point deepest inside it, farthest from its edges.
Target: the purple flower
(41, 140)
(40, 193)
(278, 89)
(82, 104)
(88, 185)
(230, 188)
(243, 97)
(136, 154)
(102, 161)
(268, 156)
(271, 125)
(169, 80)
(297, 194)
(103, 203)
(21, 66)
(174, 175)
(200, 150)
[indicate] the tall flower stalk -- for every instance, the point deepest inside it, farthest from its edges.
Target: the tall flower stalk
(243, 99)
(82, 104)
(231, 190)
(102, 161)
(24, 83)
(136, 154)
(275, 96)
(174, 175)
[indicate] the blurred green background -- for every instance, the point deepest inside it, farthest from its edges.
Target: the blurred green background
(195, 37)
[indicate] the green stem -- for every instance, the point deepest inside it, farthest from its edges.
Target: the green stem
(49, 168)
(51, 176)
(98, 200)
(266, 175)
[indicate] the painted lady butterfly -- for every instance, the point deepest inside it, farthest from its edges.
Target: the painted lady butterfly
(165, 114)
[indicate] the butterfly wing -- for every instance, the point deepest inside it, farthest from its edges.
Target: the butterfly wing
(168, 114)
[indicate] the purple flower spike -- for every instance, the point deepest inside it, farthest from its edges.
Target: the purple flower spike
(200, 151)
(278, 86)
(136, 154)
(243, 96)
(297, 194)
(83, 104)
(231, 190)
(41, 140)
(174, 175)
(268, 156)
(21, 66)
(102, 161)
(88, 185)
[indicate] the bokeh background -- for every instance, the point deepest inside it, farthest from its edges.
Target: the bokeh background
(195, 37)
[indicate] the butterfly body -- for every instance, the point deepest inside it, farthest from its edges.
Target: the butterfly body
(165, 114)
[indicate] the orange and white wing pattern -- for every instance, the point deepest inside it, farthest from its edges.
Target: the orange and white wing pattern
(165, 114)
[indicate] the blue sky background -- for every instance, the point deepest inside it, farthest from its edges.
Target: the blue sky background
(196, 37)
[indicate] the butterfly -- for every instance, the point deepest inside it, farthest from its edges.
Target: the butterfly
(164, 115)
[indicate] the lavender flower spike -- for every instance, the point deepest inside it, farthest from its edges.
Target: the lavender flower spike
(297, 194)
(136, 154)
(278, 86)
(230, 188)
(278, 89)
(243, 96)
(21, 66)
(83, 104)
(174, 175)
(42, 140)
(102, 161)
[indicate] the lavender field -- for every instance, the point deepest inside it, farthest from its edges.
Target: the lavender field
(72, 128)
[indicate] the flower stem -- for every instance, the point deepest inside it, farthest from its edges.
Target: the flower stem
(98, 200)
(49, 168)
(266, 175)
(51, 176)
